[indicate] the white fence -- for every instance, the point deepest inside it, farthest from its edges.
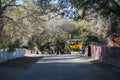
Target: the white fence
(5, 55)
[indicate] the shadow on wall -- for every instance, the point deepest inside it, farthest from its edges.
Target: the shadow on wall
(5, 55)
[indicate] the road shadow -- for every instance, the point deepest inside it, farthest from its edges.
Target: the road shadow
(23, 62)
(26, 62)
(106, 66)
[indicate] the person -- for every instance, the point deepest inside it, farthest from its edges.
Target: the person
(83, 50)
(47, 47)
(59, 50)
(89, 50)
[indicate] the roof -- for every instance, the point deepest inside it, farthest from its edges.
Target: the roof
(74, 39)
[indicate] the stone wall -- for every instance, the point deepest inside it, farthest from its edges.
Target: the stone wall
(5, 55)
(114, 55)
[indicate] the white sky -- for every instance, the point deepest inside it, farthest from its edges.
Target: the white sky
(19, 2)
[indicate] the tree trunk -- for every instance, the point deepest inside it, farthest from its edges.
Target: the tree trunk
(109, 27)
(1, 18)
(1, 24)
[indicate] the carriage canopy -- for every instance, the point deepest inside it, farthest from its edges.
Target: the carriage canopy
(75, 44)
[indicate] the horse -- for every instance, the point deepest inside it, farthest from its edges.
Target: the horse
(55, 49)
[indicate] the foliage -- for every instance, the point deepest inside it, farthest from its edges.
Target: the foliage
(104, 7)
(7, 7)
(7, 43)
(15, 12)
(12, 45)
(1, 44)
(8, 30)
(92, 10)
(8, 40)
(87, 37)
(115, 26)
(60, 42)
(38, 41)
(30, 45)
(32, 20)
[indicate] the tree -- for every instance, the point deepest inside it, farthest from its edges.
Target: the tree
(103, 13)
(16, 15)
(4, 19)
(83, 32)
(15, 19)
(105, 7)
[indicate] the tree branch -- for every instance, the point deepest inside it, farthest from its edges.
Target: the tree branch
(116, 4)
(12, 20)
(7, 4)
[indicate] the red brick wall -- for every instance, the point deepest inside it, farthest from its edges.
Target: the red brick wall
(106, 54)
(27, 51)
(99, 52)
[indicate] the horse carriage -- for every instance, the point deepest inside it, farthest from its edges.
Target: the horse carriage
(75, 44)
(53, 49)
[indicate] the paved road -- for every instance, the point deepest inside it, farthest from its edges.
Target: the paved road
(54, 68)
